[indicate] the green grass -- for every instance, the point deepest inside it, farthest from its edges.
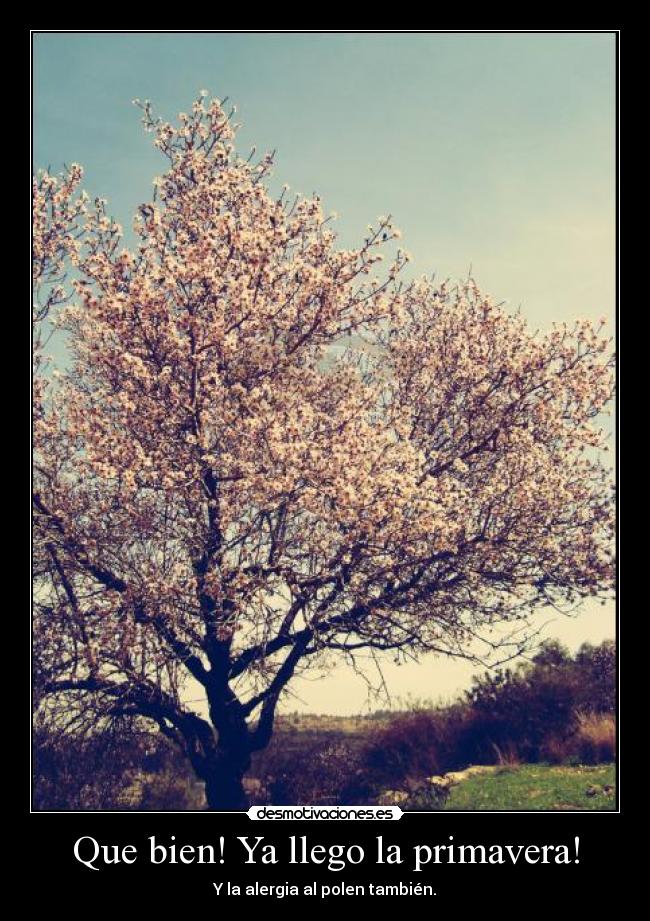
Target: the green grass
(536, 786)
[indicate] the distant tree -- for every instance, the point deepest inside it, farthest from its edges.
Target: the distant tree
(217, 498)
(597, 667)
(551, 654)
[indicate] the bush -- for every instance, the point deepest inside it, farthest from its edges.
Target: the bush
(414, 744)
(319, 768)
(517, 712)
(536, 710)
(593, 741)
(595, 738)
(110, 770)
(556, 708)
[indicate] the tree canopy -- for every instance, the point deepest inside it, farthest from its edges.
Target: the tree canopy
(223, 492)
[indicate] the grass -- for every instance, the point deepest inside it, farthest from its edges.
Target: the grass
(537, 786)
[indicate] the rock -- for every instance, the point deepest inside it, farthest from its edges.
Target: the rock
(474, 769)
(440, 780)
(456, 777)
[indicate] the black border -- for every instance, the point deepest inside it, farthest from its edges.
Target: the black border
(497, 888)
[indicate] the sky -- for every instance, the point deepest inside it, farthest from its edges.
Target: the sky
(494, 151)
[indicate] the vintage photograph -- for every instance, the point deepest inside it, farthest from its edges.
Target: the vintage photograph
(323, 429)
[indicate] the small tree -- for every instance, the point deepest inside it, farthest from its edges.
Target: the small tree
(218, 498)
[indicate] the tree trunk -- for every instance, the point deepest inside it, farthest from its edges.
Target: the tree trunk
(224, 787)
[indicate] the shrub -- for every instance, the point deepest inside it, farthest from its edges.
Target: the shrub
(593, 741)
(516, 712)
(555, 708)
(596, 737)
(110, 770)
(319, 769)
(559, 750)
(416, 744)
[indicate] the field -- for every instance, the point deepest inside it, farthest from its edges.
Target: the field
(537, 786)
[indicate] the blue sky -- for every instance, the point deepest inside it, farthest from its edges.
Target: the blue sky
(490, 150)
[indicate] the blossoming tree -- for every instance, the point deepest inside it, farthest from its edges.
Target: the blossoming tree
(218, 497)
